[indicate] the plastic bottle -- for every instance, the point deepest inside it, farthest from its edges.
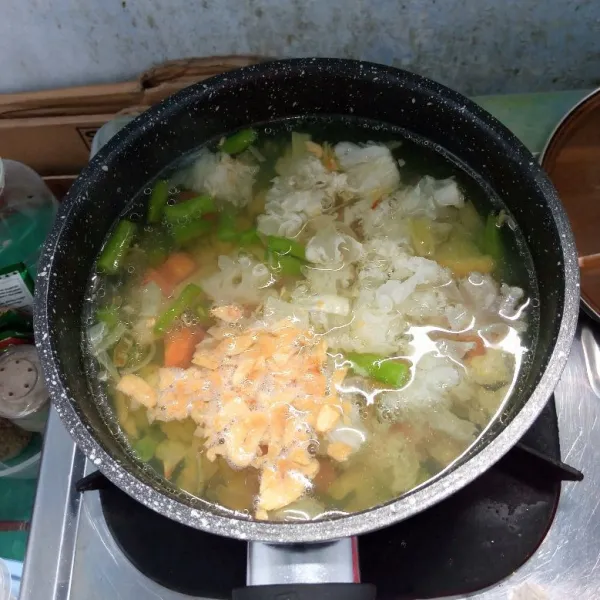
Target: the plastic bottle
(5, 582)
(27, 211)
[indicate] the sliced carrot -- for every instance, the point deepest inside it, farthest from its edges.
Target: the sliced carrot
(479, 349)
(462, 337)
(180, 345)
(376, 203)
(178, 266)
(165, 284)
(172, 272)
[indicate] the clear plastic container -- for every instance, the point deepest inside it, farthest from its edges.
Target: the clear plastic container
(5, 593)
(26, 465)
(27, 211)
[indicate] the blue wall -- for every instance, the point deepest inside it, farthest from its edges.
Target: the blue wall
(476, 46)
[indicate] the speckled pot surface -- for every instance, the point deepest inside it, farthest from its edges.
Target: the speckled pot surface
(272, 91)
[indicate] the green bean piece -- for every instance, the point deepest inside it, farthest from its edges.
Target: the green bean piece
(239, 141)
(492, 238)
(109, 315)
(158, 200)
(284, 264)
(283, 245)
(194, 208)
(249, 238)
(114, 251)
(204, 316)
(145, 447)
(387, 370)
(184, 233)
(226, 229)
(158, 250)
(185, 300)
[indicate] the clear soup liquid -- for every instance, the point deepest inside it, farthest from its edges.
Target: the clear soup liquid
(309, 319)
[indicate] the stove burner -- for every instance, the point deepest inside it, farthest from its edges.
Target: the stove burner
(176, 556)
(470, 541)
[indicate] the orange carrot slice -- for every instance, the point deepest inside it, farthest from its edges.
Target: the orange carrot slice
(178, 266)
(180, 345)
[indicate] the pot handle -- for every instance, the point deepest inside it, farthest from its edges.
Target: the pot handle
(307, 591)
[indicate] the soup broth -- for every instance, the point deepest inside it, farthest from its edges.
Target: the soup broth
(309, 319)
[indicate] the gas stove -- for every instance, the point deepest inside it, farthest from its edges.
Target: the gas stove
(516, 533)
(73, 553)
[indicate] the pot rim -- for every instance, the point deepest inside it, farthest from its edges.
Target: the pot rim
(312, 531)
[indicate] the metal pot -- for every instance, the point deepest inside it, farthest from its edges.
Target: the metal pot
(272, 91)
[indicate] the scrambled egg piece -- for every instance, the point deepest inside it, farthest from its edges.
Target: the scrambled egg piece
(261, 397)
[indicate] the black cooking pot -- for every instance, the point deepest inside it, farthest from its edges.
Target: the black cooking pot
(277, 90)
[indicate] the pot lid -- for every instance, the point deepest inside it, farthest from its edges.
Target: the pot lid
(572, 160)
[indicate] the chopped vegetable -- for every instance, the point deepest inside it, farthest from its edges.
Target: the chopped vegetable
(121, 351)
(182, 431)
(109, 315)
(126, 420)
(203, 312)
(492, 238)
(178, 267)
(138, 358)
(146, 446)
(194, 208)
(421, 237)
(471, 220)
(171, 453)
(104, 340)
(387, 370)
(286, 246)
(190, 477)
(180, 345)
(184, 233)
(114, 251)
(284, 264)
(238, 142)
(157, 245)
(161, 279)
(248, 238)
(226, 229)
(158, 200)
(185, 300)
(460, 254)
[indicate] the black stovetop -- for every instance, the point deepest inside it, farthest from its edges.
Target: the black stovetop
(466, 543)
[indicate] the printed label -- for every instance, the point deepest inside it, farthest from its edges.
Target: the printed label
(14, 293)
